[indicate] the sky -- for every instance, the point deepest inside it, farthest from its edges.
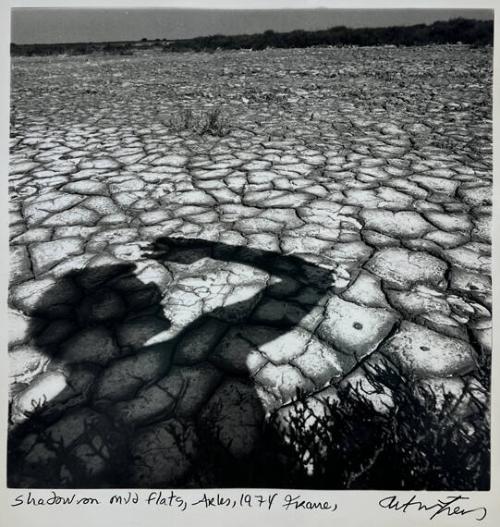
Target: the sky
(49, 25)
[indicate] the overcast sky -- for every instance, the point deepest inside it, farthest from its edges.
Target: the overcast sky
(35, 25)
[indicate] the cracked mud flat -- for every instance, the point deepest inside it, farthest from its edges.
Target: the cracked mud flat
(167, 286)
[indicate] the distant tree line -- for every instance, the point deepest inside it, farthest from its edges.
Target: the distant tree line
(466, 31)
(83, 48)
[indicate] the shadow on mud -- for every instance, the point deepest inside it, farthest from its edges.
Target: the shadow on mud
(121, 407)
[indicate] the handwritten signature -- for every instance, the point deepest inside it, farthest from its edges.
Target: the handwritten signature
(448, 506)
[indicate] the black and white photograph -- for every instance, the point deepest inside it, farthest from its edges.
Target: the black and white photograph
(250, 248)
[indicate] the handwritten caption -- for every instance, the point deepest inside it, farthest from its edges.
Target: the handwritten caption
(452, 505)
(175, 500)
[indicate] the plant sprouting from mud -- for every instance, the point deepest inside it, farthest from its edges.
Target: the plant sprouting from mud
(209, 122)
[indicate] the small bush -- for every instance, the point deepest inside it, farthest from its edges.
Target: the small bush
(422, 441)
(214, 123)
(211, 122)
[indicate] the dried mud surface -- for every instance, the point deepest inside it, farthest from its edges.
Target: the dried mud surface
(342, 215)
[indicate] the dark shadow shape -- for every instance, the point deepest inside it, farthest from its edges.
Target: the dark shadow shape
(99, 302)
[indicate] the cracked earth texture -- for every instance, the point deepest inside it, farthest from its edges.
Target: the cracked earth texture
(343, 217)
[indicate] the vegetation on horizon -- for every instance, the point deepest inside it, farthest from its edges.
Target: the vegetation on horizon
(466, 31)
(459, 30)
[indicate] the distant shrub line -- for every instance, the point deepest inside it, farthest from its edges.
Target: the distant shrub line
(467, 31)
(474, 32)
